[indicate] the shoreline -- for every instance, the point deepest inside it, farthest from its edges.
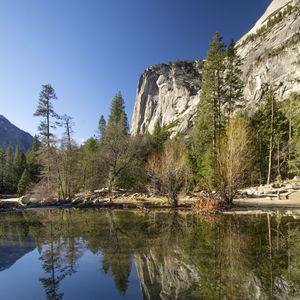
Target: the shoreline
(247, 205)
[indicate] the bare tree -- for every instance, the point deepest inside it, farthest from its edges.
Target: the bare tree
(168, 170)
(233, 158)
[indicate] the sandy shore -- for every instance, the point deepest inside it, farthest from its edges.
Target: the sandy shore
(244, 205)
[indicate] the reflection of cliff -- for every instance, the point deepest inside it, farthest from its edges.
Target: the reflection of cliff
(12, 251)
(168, 277)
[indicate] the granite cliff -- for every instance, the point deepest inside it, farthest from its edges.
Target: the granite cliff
(170, 93)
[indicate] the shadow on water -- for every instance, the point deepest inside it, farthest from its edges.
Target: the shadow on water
(173, 255)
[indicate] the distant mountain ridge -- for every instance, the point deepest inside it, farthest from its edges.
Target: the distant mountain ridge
(12, 135)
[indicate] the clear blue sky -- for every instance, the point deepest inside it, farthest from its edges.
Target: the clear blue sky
(90, 49)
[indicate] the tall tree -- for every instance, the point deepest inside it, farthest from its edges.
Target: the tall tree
(102, 127)
(9, 180)
(67, 154)
(159, 136)
(46, 111)
(272, 128)
(19, 163)
(2, 171)
(291, 108)
(32, 160)
(117, 116)
(117, 148)
(209, 122)
(233, 81)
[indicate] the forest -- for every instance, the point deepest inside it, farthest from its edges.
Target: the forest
(229, 146)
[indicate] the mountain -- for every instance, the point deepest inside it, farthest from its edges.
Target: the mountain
(167, 93)
(12, 135)
(170, 93)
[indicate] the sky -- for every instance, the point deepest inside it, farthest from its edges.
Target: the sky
(88, 50)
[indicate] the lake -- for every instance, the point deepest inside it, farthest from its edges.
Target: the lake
(93, 254)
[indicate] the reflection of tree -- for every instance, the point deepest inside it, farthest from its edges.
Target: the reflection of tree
(116, 256)
(59, 255)
(52, 262)
(177, 255)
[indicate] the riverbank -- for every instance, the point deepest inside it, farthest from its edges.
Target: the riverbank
(283, 197)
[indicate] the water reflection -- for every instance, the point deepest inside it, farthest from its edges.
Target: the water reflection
(173, 255)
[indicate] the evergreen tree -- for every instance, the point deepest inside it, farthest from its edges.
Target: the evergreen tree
(159, 136)
(31, 171)
(209, 122)
(90, 166)
(119, 149)
(117, 116)
(24, 182)
(233, 81)
(66, 163)
(2, 171)
(46, 111)
(32, 160)
(271, 127)
(102, 127)
(291, 109)
(19, 164)
(8, 171)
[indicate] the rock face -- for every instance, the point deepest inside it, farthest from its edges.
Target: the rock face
(12, 135)
(166, 279)
(273, 55)
(170, 93)
(272, 9)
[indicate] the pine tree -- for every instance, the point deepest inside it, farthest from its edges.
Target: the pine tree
(159, 136)
(233, 81)
(9, 181)
(2, 171)
(102, 127)
(24, 182)
(117, 116)
(271, 127)
(19, 164)
(117, 146)
(46, 111)
(32, 160)
(209, 122)
(292, 111)
(67, 159)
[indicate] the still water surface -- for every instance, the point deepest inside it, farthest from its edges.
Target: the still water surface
(76, 254)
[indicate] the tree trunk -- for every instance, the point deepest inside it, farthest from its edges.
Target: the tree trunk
(271, 143)
(278, 161)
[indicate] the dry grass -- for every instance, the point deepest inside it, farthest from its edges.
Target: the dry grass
(207, 203)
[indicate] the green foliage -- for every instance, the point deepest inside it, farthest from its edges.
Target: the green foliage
(32, 161)
(91, 146)
(233, 98)
(2, 171)
(117, 116)
(270, 131)
(19, 163)
(24, 182)
(209, 125)
(46, 111)
(102, 127)
(90, 165)
(159, 136)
